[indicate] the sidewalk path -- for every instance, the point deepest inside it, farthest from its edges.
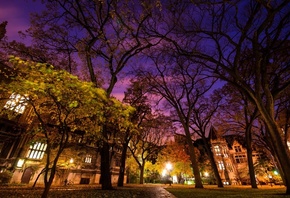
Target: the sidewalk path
(162, 193)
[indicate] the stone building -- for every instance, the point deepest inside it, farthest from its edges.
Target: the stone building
(230, 154)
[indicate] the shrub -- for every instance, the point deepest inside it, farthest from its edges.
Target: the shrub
(5, 177)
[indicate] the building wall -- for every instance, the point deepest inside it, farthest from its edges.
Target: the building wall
(75, 174)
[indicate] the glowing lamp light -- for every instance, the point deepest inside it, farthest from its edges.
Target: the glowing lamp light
(71, 160)
(169, 166)
(206, 174)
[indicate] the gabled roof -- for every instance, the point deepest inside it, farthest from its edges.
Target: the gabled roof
(231, 138)
(212, 133)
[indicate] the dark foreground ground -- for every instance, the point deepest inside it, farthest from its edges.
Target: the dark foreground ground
(210, 191)
(146, 191)
(88, 191)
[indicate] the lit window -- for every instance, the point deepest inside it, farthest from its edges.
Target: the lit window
(88, 159)
(240, 158)
(37, 150)
(221, 165)
(217, 150)
(16, 103)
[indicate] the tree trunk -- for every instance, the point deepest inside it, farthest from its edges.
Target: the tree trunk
(105, 167)
(280, 149)
(194, 163)
(46, 191)
(279, 168)
(275, 158)
(142, 173)
(34, 184)
(212, 162)
(123, 164)
(47, 184)
(250, 157)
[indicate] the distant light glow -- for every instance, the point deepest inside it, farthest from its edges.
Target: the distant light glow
(168, 166)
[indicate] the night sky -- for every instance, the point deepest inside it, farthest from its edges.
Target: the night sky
(17, 12)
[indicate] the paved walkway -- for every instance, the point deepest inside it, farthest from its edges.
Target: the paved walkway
(162, 193)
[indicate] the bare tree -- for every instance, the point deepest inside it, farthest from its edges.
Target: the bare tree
(243, 36)
(201, 121)
(241, 115)
(3, 29)
(180, 83)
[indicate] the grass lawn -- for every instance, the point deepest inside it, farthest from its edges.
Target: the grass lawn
(228, 191)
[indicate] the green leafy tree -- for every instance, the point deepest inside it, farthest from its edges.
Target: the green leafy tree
(117, 124)
(62, 104)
